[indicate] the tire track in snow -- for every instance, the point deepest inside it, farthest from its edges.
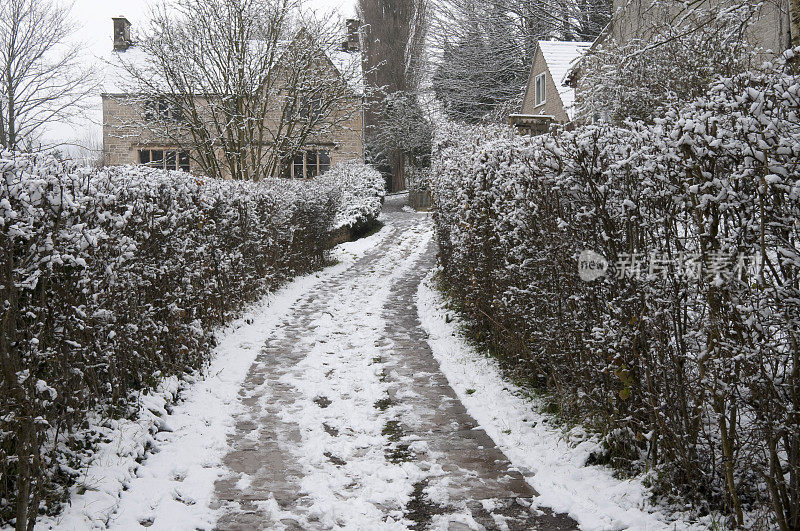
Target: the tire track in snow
(310, 450)
(350, 424)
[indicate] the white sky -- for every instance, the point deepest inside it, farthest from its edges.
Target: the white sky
(93, 21)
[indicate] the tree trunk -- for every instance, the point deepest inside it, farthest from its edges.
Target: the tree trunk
(794, 23)
(398, 172)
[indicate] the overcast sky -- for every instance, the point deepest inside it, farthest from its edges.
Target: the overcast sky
(93, 20)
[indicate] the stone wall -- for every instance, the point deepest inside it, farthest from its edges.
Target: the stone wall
(124, 132)
(635, 18)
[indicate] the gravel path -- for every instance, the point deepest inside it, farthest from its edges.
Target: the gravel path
(349, 423)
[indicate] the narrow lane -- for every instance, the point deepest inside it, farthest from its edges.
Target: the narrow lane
(349, 423)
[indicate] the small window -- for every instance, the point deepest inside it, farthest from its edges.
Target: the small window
(539, 89)
(307, 164)
(161, 109)
(304, 108)
(169, 159)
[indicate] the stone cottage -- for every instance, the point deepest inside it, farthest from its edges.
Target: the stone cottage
(127, 139)
(547, 98)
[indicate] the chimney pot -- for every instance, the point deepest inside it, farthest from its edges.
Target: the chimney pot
(122, 33)
(352, 44)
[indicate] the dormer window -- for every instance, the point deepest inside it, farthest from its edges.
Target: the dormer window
(539, 89)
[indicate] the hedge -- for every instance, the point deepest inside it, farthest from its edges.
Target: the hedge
(688, 367)
(112, 279)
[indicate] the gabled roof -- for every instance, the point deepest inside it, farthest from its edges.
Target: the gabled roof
(117, 80)
(560, 56)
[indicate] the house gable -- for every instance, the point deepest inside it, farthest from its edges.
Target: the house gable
(128, 139)
(552, 58)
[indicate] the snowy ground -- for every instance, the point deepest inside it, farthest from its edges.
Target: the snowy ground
(339, 403)
(552, 459)
(175, 482)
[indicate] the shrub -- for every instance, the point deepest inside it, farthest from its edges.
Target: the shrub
(112, 279)
(689, 367)
(361, 192)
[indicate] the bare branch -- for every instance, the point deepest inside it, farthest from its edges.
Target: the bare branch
(42, 79)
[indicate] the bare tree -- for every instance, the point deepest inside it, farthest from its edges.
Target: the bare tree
(42, 77)
(669, 55)
(483, 64)
(243, 85)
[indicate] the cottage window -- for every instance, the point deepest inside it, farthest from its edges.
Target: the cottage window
(311, 109)
(169, 159)
(539, 89)
(303, 108)
(163, 110)
(308, 164)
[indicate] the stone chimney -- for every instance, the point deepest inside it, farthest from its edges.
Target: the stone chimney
(122, 34)
(352, 44)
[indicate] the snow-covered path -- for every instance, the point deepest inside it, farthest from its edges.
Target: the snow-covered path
(329, 405)
(349, 423)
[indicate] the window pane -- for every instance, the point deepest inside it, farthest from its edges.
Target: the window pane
(324, 161)
(311, 164)
(315, 109)
(183, 161)
(172, 160)
(289, 109)
(298, 166)
(303, 108)
(157, 158)
(544, 87)
(144, 156)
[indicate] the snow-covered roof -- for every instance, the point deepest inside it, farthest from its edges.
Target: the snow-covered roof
(116, 79)
(560, 56)
(350, 66)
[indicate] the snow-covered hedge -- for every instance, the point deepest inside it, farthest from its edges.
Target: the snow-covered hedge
(111, 280)
(690, 365)
(361, 191)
